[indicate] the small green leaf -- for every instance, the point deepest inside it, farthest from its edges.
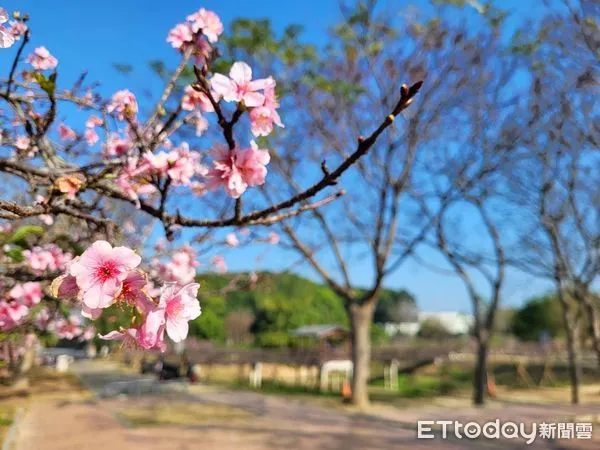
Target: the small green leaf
(26, 230)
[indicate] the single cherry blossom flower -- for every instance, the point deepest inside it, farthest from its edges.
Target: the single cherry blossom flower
(180, 35)
(124, 104)
(263, 117)
(22, 143)
(273, 238)
(70, 185)
(94, 121)
(100, 272)
(180, 305)
(91, 136)
(239, 87)
(41, 59)
(232, 240)
(208, 22)
(236, 169)
(66, 133)
(219, 263)
(134, 293)
(17, 29)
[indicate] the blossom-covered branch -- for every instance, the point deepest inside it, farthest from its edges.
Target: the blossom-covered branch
(144, 161)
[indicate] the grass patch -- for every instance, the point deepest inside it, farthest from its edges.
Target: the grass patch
(180, 414)
(425, 385)
(7, 412)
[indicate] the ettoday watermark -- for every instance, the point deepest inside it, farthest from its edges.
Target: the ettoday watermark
(529, 432)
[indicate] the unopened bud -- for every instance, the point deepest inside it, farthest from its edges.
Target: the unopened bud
(16, 14)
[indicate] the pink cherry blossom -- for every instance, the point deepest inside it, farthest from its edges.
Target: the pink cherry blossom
(193, 99)
(116, 146)
(236, 169)
(41, 59)
(7, 38)
(49, 257)
(273, 238)
(239, 87)
(201, 124)
(263, 117)
(129, 336)
(132, 187)
(100, 272)
(149, 336)
(180, 305)
(28, 294)
(69, 185)
(133, 291)
(41, 319)
(17, 29)
(12, 314)
(232, 240)
(66, 133)
(208, 22)
(68, 328)
(184, 164)
(65, 287)
(88, 333)
(219, 263)
(91, 136)
(180, 35)
(90, 313)
(124, 104)
(22, 142)
(181, 268)
(94, 121)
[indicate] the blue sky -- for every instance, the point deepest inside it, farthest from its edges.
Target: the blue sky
(94, 35)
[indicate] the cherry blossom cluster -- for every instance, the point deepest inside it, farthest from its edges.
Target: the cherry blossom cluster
(104, 275)
(240, 88)
(69, 328)
(49, 257)
(11, 32)
(197, 33)
(17, 309)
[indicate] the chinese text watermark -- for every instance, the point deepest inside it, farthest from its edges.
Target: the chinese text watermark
(430, 429)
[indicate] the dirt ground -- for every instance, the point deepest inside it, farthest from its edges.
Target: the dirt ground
(206, 417)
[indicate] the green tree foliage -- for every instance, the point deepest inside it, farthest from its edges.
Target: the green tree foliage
(396, 306)
(278, 302)
(539, 315)
(433, 329)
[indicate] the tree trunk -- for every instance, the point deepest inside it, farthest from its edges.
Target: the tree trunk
(480, 374)
(360, 319)
(574, 367)
(592, 313)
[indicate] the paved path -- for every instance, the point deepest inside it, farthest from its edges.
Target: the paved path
(275, 423)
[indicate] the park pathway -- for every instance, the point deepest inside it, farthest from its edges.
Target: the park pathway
(274, 423)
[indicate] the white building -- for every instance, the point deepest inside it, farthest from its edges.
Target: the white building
(455, 322)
